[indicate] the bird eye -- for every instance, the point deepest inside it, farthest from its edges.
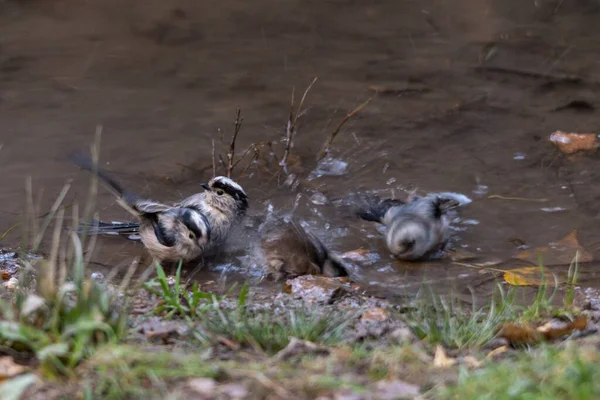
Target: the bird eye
(191, 235)
(220, 192)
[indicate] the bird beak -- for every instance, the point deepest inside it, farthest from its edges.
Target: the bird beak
(205, 186)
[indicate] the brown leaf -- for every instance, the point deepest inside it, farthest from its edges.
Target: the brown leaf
(516, 334)
(530, 276)
(554, 329)
(375, 314)
(561, 252)
(571, 143)
(441, 360)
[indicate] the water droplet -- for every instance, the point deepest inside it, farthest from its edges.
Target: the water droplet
(318, 198)
(519, 156)
(330, 167)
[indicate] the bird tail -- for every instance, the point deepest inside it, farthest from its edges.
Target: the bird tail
(126, 200)
(109, 228)
(372, 208)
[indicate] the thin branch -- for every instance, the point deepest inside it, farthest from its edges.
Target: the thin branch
(334, 134)
(214, 163)
(291, 126)
(237, 125)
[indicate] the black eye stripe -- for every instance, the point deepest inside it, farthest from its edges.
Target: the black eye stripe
(233, 192)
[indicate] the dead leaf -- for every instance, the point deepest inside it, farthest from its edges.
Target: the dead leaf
(561, 252)
(571, 143)
(472, 362)
(9, 368)
(441, 360)
(554, 329)
(496, 352)
(530, 276)
(517, 334)
(375, 314)
(361, 255)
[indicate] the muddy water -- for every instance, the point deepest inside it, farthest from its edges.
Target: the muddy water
(469, 91)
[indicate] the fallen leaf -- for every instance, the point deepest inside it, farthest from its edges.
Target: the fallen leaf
(375, 314)
(9, 368)
(472, 362)
(441, 360)
(361, 255)
(530, 276)
(496, 352)
(554, 329)
(571, 143)
(561, 252)
(517, 334)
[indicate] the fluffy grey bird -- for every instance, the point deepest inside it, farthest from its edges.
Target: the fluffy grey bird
(416, 229)
(184, 231)
(289, 251)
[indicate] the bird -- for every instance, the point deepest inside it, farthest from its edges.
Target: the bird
(180, 232)
(290, 251)
(416, 229)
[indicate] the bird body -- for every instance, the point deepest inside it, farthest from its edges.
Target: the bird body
(290, 251)
(181, 232)
(416, 229)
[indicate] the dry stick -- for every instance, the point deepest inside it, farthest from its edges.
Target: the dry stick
(252, 159)
(93, 193)
(52, 265)
(214, 163)
(237, 125)
(291, 126)
(333, 135)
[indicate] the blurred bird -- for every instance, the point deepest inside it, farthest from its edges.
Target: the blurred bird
(416, 229)
(290, 251)
(184, 231)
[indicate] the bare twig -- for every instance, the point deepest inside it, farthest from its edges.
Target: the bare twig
(292, 125)
(252, 159)
(333, 135)
(237, 125)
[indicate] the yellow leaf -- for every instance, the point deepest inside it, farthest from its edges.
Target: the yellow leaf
(559, 253)
(441, 360)
(529, 276)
